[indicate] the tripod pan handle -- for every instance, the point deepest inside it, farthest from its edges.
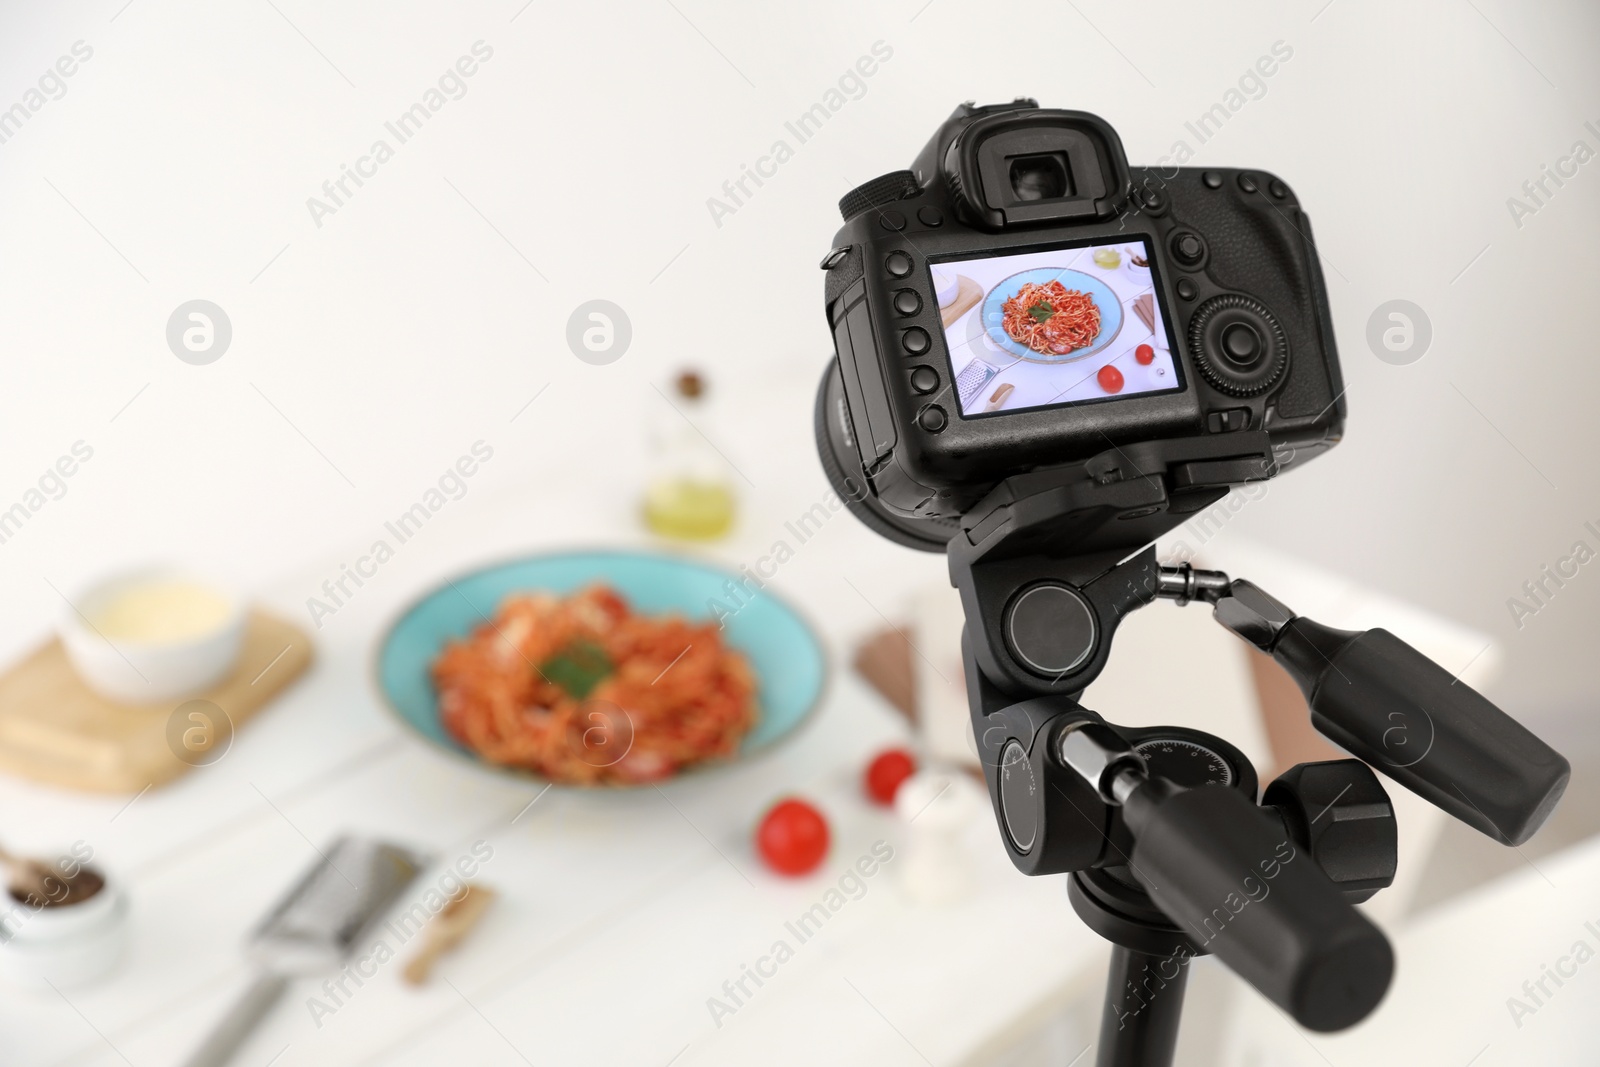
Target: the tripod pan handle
(1231, 877)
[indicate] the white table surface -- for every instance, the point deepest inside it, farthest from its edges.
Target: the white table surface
(621, 912)
(1455, 973)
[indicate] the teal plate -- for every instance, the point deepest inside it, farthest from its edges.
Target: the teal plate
(781, 647)
(1104, 299)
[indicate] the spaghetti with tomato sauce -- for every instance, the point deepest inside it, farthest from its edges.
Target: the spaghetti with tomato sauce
(1051, 319)
(583, 690)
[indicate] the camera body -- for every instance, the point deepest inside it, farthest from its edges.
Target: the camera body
(1021, 302)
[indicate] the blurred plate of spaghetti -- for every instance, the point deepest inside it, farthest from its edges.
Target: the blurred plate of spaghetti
(604, 668)
(1058, 307)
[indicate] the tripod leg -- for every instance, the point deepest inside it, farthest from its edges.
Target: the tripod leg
(1144, 1000)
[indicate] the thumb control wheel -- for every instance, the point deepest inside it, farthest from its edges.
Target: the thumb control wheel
(1238, 345)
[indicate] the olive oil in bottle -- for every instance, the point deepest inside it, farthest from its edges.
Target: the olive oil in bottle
(690, 494)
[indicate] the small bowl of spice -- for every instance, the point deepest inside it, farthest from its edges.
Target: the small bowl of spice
(62, 924)
(149, 636)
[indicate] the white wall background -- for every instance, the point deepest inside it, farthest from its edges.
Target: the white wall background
(430, 308)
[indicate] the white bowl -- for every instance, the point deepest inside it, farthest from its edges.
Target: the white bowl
(62, 945)
(134, 671)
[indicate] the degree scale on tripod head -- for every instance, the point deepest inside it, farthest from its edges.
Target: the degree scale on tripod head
(1185, 762)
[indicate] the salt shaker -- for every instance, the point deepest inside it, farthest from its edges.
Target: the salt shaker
(938, 806)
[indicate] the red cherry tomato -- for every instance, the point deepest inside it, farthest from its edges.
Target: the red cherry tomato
(1110, 379)
(1145, 355)
(792, 837)
(885, 773)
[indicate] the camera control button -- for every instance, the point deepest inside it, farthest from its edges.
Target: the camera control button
(1212, 179)
(1228, 421)
(891, 219)
(1247, 183)
(933, 418)
(898, 264)
(1278, 189)
(1051, 628)
(1149, 199)
(1241, 343)
(835, 257)
(1188, 248)
(907, 302)
(915, 340)
(930, 216)
(924, 379)
(1237, 345)
(1019, 797)
(1187, 289)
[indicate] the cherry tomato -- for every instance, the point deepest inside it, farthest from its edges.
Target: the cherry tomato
(885, 773)
(1110, 379)
(792, 837)
(1145, 355)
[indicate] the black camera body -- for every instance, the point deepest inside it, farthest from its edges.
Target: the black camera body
(1187, 335)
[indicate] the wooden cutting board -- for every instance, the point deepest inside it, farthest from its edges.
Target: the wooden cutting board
(55, 729)
(968, 293)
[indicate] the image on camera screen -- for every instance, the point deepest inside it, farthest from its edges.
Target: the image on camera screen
(1061, 326)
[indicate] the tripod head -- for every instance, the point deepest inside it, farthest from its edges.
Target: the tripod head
(1169, 854)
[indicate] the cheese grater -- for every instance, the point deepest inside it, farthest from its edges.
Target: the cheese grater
(970, 382)
(311, 929)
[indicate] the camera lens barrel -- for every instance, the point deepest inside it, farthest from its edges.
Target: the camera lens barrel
(841, 464)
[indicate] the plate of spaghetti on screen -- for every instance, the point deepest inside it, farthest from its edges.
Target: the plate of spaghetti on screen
(1052, 315)
(601, 668)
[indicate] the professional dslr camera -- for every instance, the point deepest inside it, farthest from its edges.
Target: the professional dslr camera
(1197, 329)
(1047, 359)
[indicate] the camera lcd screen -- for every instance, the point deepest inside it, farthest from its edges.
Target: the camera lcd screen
(1060, 326)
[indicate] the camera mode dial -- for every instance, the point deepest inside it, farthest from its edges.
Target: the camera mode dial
(885, 189)
(1238, 345)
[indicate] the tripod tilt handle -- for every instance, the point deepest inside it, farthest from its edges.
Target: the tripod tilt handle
(1391, 706)
(1228, 873)
(1388, 704)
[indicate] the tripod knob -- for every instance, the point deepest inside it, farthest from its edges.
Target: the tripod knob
(1337, 810)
